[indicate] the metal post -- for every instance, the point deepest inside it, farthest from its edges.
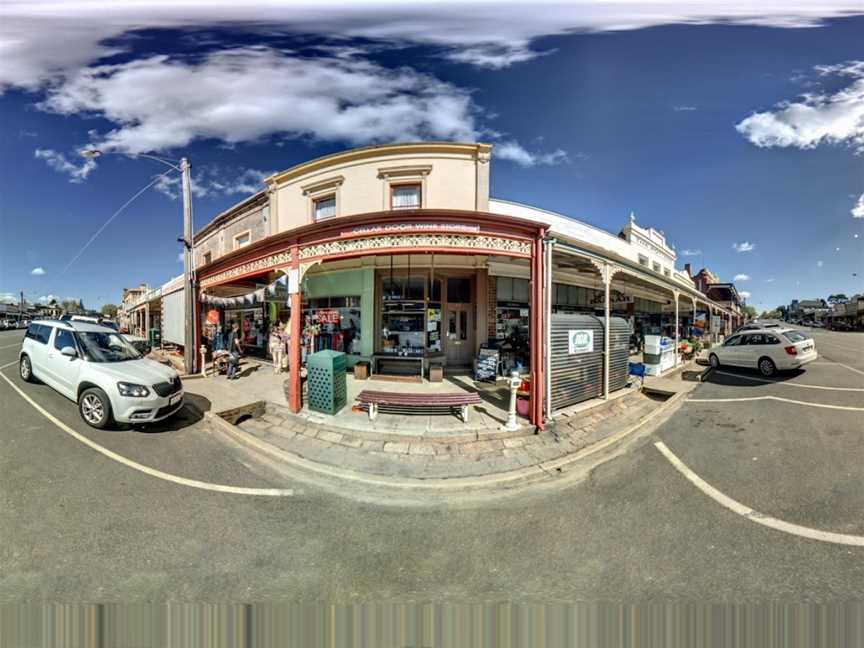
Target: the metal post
(295, 391)
(512, 425)
(547, 316)
(675, 296)
(606, 281)
(188, 287)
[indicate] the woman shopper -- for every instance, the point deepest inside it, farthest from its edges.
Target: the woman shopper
(235, 348)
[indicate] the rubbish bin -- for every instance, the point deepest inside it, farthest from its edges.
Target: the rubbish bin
(326, 384)
(155, 337)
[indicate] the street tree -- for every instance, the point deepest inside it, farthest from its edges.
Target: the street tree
(750, 311)
(839, 298)
(109, 310)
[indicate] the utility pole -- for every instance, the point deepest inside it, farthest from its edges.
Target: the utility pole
(21, 308)
(188, 284)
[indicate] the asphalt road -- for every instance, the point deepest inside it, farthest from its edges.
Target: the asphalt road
(75, 524)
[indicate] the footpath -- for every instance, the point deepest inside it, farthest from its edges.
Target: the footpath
(404, 452)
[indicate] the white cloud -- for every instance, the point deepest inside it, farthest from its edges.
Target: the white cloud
(689, 253)
(858, 209)
(180, 256)
(830, 118)
(746, 246)
(44, 40)
(769, 280)
(37, 272)
(819, 264)
(741, 277)
(515, 152)
(58, 161)
(44, 299)
(245, 94)
(744, 294)
(683, 108)
(210, 182)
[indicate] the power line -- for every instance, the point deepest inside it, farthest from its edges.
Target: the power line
(113, 216)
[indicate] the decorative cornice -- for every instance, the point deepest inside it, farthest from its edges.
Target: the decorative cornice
(417, 170)
(264, 263)
(322, 185)
(435, 241)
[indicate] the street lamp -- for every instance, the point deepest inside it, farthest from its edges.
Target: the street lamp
(188, 243)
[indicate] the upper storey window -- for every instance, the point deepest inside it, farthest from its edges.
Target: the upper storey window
(242, 240)
(325, 207)
(405, 196)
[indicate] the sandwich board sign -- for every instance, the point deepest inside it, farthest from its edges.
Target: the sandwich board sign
(580, 341)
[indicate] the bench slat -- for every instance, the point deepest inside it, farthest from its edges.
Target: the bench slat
(395, 398)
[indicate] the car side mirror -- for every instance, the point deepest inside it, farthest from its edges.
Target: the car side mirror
(69, 351)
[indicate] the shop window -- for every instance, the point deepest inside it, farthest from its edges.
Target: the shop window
(333, 323)
(242, 240)
(643, 260)
(404, 287)
(405, 196)
(324, 207)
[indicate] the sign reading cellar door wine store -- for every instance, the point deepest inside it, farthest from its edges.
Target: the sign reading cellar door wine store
(580, 341)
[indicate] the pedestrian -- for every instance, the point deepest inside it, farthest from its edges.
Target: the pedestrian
(235, 348)
(277, 348)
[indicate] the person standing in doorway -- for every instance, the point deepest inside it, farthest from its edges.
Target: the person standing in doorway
(277, 348)
(235, 348)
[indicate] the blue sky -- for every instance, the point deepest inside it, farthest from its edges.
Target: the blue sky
(723, 126)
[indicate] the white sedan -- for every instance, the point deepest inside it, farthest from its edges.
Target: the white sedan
(765, 350)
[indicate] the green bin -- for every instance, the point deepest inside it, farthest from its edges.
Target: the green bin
(326, 386)
(155, 337)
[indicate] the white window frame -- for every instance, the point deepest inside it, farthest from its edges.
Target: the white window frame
(248, 233)
(644, 261)
(402, 175)
(321, 190)
(395, 185)
(319, 199)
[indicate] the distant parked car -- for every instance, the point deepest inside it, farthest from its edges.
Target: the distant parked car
(767, 350)
(97, 368)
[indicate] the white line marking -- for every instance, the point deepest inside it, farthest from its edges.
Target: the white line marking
(839, 346)
(9, 364)
(752, 515)
(789, 384)
(9, 346)
(775, 398)
(193, 483)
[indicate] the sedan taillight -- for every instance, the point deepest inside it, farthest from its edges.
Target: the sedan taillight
(791, 350)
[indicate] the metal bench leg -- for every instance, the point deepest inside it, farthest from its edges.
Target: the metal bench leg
(464, 413)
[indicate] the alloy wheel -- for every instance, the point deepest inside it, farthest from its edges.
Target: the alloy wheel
(93, 409)
(766, 367)
(25, 368)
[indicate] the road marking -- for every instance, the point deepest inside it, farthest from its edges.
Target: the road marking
(153, 472)
(9, 346)
(752, 515)
(790, 384)
(9, 364)
(839, 346)
(775, 398)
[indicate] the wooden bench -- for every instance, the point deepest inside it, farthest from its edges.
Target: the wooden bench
(461, 400)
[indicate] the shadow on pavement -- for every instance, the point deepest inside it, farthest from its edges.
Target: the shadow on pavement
(748, 377)
(191, 413)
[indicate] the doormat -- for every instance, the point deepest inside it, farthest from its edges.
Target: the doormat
(396, 378)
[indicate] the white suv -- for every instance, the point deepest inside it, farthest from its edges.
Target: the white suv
(97, 368)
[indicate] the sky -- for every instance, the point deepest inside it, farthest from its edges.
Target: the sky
(737, 130)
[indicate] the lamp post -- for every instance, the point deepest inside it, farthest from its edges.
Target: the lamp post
(188, 248)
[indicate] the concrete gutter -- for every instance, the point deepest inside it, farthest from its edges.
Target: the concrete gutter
(282, 460)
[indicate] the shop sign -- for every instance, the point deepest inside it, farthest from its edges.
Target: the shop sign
(715, 323)
(327, 316)
(580, 341)
(420, 227)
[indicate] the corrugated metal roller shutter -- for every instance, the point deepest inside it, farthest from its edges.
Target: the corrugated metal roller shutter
(173, 317)
(579, 377)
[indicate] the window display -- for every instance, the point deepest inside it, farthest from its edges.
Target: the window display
(333, 323)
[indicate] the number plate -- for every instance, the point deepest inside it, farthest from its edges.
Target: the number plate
(175, 399)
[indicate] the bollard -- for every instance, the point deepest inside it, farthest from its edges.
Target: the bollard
(203, 365)
(515, 381)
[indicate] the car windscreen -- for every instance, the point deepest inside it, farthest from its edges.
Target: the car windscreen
(794, 336)
(102, 346)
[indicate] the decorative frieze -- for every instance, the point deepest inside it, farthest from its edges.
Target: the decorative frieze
(422, 241)
(265, 263)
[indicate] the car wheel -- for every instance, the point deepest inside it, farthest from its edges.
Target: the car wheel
(25, 368)
(767, 367)
(95, 408)
(714, 361)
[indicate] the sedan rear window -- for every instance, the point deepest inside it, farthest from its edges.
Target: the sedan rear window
(794, 336)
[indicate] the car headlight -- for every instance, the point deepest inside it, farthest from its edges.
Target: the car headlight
(131, 389)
